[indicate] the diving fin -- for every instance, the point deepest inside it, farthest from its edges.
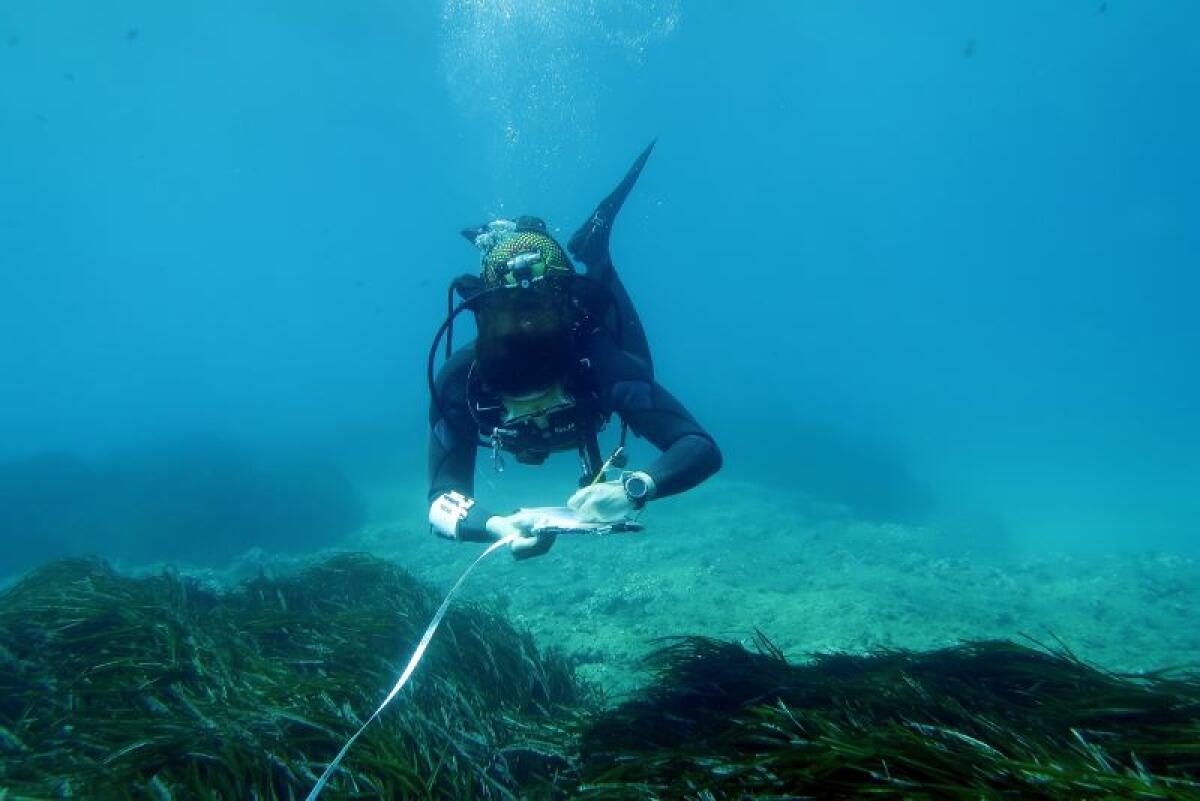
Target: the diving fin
(467, 285)
(523, 223)
(610, 302)
(589, 244)
(470, 234)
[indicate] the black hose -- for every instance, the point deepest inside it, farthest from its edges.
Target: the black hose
(449, 314)
(446, 325)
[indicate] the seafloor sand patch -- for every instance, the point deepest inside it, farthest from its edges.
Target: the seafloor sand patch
(732, 557)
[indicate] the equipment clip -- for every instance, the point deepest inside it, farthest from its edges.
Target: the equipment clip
(497, 448)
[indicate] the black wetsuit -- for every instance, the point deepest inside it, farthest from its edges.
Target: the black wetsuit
(615, 375)
(610, 381)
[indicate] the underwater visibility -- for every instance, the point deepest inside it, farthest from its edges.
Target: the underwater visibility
(556, 399)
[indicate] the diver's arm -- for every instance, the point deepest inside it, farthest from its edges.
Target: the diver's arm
(686, 463)
(451, 459)
(453, 513)
(689, 455)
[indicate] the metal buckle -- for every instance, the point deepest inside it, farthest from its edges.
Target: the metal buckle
(497, 449)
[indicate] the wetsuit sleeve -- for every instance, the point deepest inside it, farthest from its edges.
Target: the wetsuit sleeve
(452, 444)
(689, 454)
(451, 460)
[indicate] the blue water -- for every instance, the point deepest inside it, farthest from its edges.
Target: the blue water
(936, 262)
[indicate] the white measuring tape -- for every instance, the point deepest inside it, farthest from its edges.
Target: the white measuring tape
(558, 519)
(412, 664)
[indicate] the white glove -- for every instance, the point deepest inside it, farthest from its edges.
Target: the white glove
(605, 502)
(520, 524)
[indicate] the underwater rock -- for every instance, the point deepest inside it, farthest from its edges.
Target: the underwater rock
(866, 473)
(199, 501)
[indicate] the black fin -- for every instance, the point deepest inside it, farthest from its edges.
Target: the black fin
(607, 300)
(527, 223)
(467, 285)
(469, 234)
(589, 245)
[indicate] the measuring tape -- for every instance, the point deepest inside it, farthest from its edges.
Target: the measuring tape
(412, 664)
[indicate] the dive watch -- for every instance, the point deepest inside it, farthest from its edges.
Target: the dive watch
(638, 487)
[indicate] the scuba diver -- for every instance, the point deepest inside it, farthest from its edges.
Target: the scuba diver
(557, 353)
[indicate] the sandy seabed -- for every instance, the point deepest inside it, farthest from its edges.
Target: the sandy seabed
(732, 557)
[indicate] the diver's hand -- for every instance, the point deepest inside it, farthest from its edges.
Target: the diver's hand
(605, 502)
(520, 524)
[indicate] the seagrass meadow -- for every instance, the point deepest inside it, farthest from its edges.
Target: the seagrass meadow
(158, 687)
(884, 340)
(116, 687)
